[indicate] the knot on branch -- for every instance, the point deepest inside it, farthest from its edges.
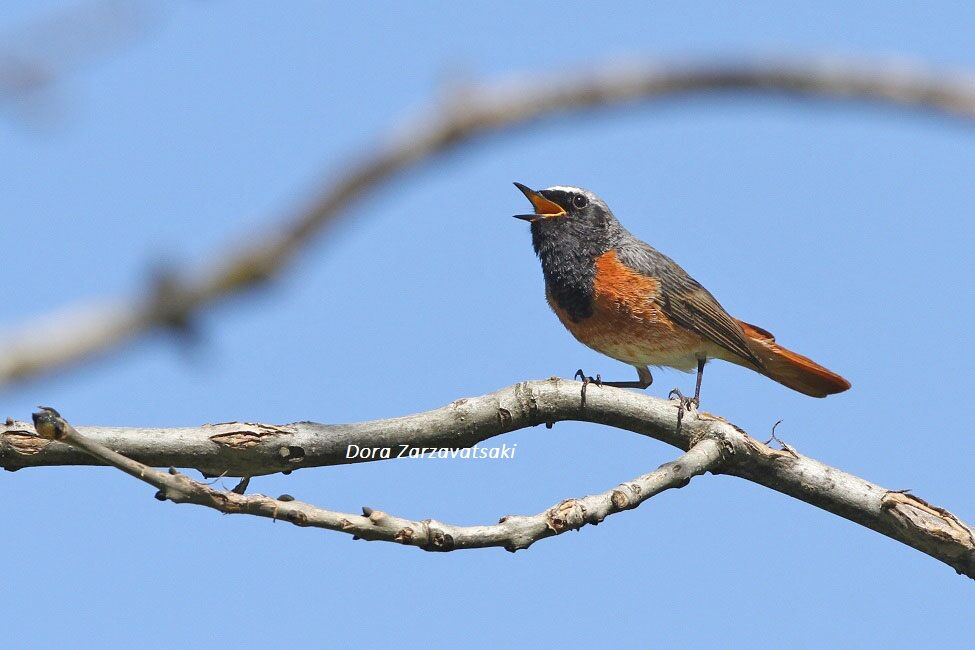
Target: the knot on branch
(718, 430)
(527, 400)
(292, 453)
(621, 500)
(504, 417)
(297, 517)
(437, 539)
(567, 515)
(183, 489)
(374, 516)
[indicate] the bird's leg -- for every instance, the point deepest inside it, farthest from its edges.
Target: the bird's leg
(586, 380)
(644, 381)
(686, 403)
(696, 400)
(700, 376)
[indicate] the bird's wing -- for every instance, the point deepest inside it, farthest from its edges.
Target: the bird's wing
(685, 301)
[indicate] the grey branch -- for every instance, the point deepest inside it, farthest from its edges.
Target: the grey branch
(511, 532)
(252, 449)
(462, 118)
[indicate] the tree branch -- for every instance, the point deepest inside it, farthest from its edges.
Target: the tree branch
(254, 448)
(65, 339)
(511, 532)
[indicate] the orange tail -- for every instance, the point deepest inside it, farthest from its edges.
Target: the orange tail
(791, 369)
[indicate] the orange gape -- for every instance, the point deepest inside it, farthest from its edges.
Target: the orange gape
(621, 297)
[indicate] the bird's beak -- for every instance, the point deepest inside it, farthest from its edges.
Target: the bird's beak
(544, 209)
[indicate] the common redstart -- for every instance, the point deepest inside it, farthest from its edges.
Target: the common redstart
(623, 298)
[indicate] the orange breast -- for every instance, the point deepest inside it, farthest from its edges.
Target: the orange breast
(627, 322)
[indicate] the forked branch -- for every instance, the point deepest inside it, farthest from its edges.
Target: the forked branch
(511, 532)
(712, 444)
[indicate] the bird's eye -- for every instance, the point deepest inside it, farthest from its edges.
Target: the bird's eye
(580, 201)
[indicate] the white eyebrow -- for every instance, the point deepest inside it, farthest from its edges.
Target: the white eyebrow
(566, 188)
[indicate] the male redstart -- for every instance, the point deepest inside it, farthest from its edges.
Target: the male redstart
(623, 298)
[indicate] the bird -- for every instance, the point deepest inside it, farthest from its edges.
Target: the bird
(623, 298)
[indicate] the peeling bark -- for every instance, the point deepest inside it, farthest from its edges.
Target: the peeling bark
(712, 444)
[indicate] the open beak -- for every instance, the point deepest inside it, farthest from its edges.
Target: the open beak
(544, 208)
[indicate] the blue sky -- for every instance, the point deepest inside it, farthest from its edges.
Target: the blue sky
(843, 229)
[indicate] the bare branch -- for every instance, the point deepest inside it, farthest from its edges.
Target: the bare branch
(255, 449)
(462, 118)
(511, 532)
(251, 449)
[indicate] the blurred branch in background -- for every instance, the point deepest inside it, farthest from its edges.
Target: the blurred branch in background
(35, 57)
(74, 335)
(711, 444)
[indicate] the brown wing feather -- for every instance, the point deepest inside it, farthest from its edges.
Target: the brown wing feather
(685, 301)
(697, 310)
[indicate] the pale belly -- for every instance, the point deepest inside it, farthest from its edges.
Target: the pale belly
(650, 348)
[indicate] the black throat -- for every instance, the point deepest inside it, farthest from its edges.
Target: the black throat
(568, 253)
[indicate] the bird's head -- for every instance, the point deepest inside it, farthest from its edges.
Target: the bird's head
(570, 216)
(562, 202)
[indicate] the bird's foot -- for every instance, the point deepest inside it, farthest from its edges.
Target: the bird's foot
(586, 380)
(684, 404)
(688, 403)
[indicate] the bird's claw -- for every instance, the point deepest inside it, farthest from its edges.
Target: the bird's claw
(581, 376)
(586, 380)
(687, 403)
(684, 404)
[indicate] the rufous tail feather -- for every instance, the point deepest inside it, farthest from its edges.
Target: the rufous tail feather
(789, 368)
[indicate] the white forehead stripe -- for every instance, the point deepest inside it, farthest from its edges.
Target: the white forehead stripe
(567, 188)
